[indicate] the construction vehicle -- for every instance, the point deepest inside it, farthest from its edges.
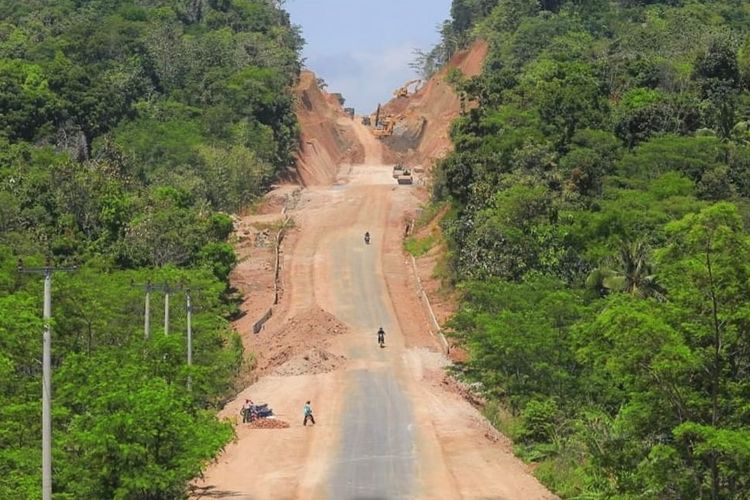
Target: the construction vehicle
(406, 178)
(398, 170)
(404, 90)
(383, 125)
(402, 174)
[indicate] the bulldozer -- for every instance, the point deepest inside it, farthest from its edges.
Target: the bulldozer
(404, 90)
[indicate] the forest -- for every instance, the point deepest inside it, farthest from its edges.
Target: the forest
(598, 236)
(129, 130)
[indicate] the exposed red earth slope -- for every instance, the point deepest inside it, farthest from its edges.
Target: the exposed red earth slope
(326, 137)
(422, 134)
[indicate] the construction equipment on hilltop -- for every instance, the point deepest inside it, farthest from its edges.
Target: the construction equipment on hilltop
(404, 90)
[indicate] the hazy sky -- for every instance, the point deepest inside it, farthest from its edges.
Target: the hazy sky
(362, 48)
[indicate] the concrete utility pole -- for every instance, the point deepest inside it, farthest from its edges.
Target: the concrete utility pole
(166, 309)
(47, 271)
(147, 313)
(189, 303)
(150, 287)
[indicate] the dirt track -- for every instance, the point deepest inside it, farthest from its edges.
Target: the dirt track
(387, 427)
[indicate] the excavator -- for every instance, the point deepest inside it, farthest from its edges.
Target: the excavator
(383, 126)
(404, 91)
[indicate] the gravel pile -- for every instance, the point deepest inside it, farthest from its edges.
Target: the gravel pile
(309, 363)
(268, 423)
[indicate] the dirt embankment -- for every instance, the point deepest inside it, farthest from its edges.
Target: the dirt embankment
(326, 136)
(422, 131)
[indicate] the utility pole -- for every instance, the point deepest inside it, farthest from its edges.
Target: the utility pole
(166, 309)
(189, 303)
(150, 287)
(47, 271)
(167, 289)
(189, 306)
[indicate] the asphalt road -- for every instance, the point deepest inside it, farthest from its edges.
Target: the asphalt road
(376, 454)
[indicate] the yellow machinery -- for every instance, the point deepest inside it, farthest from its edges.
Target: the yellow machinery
(386, 127)
(404, 91)
(383, 124)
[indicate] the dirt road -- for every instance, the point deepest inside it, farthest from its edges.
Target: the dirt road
(387, 426)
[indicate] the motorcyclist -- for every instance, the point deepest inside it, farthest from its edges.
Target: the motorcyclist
(381, 336)
(367, 237)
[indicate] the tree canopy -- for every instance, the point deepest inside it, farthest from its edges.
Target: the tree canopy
(129, 129)
(599, 238)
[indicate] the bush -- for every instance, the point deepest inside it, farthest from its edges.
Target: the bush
(540, 420)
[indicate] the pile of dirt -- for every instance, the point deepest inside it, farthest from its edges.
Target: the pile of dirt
(268, 423)
(309, 363)
(300, 336)
(326, 135)
(422, 134)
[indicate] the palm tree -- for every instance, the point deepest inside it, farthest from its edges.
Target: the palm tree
(630, 272)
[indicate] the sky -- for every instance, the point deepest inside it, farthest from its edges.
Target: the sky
(362, 48)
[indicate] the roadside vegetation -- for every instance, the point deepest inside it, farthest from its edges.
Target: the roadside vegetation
(128, 129)
(601, 188)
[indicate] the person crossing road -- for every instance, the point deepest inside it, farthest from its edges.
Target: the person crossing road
(307, 410)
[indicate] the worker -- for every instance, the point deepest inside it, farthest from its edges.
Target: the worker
(307, 410)
(247, 411)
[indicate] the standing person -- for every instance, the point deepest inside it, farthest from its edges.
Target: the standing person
(247, 411)
(307, 410)
(381, 336)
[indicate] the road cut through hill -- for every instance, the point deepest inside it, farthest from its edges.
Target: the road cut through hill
(387, 426)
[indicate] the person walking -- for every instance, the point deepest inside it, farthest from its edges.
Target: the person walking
(381, 336)
(308, 414)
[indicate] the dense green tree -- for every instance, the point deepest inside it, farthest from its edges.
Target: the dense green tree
(599, 238)
(126, 127)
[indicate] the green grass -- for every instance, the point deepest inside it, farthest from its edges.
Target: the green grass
(420, 246)
(429, 212)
